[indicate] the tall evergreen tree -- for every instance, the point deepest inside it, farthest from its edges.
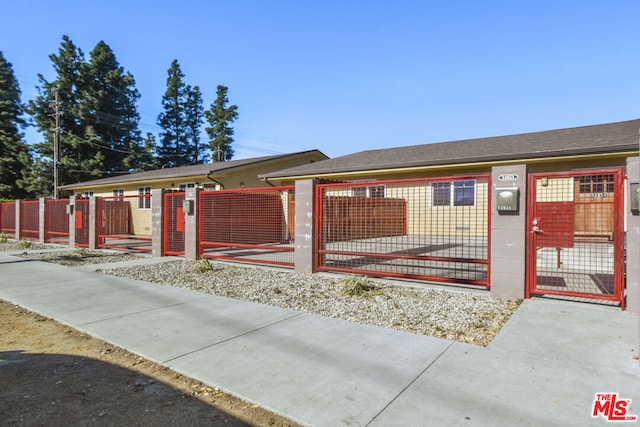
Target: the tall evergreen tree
(220, 117)
(73, 148)
(14, 153)
(108, 109)
(194, 113)
(173, 149)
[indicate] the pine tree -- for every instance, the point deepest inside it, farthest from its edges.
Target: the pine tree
(73, 148)
(14, 153)
(173, 149)
(108, 109)
(194, 113)
(220, 117)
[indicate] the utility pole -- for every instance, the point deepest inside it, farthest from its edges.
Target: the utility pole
(56, 142)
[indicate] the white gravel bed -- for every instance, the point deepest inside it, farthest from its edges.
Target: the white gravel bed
(460, 316)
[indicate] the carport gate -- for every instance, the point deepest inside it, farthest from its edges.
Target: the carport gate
(252, 225)
(124, 222)
(434, 229)
(575, 238)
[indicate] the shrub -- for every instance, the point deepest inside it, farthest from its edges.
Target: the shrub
(354, 285)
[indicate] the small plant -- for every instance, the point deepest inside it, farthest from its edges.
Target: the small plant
(79, 253)
(354, 285)
(24, 244)
(3, 237)
(203, 265)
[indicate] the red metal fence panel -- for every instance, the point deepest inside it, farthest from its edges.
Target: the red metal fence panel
(30, 219)
(430, 229)
(8, 219)
(56, 221)
(248, 225)
(174, 224)
(125, 222)
(575, 239)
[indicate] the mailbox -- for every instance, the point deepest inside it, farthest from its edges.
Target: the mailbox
(634, 197)
(507, 199)
(187, 207)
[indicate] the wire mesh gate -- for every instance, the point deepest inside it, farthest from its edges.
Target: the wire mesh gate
(575, 244)
(174, 224)
(428, 229)
(81, 222)
(248, 225)
(124, 222)
(8, 219)
(56, 221)
(30, 219)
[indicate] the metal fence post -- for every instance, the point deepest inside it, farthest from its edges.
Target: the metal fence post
(191, 251)
(18, 220)
(42, 216)
(305, 233)
(93, 223)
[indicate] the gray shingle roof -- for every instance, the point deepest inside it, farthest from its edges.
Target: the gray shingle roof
(595, 139)
(214, 169)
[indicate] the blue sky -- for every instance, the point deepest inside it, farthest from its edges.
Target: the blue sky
(348, 75)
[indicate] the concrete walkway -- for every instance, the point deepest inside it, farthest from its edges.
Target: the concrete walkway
(544, 367)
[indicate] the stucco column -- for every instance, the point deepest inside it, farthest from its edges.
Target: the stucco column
(72, 221)
(93, 223)
(304, 257)
(157, 222)
(191, 224)
(508, 234)
(18, 220)
(633, 238)
(42, 219)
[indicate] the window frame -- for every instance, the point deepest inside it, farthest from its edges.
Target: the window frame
(144, 203)
(454, 193)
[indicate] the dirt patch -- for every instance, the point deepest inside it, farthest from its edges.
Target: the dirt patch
(55, 375)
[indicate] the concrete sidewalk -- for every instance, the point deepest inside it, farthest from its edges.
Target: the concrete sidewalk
(544, 367)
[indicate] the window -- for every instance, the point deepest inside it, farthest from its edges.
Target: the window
(144, 202)
(596, 184)
(183, 187)
(371, 191)
(118, 192)
(441, 193)
(461, 193)
(87, 194)
(464, 193)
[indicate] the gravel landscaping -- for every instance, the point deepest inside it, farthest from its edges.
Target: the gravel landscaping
(455, 314)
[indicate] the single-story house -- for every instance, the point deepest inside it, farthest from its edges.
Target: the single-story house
(552, 212)
(219, 176)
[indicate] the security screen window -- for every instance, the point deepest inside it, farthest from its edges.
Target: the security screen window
(441, 193)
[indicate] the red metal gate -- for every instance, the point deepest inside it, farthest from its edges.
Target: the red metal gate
(81, 222)
(575, 238)
(248, 225)
(174, 223)
(30, 219)
(431, 229)
(8, 219)
(56, 221)
(125, 222)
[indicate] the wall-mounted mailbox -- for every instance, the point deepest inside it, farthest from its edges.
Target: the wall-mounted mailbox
(507, 199)
(187, 207)
(69, 209)
(634, 202)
